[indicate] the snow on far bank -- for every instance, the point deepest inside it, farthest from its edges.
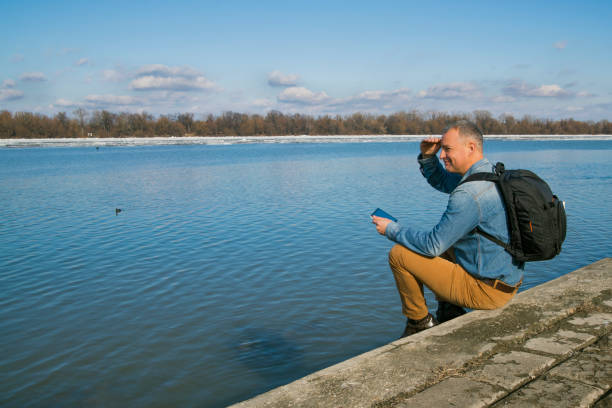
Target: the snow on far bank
(230, 140)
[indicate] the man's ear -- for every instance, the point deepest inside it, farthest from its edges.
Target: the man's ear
(471, 145)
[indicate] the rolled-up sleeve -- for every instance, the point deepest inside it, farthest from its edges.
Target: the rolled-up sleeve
(436, 175)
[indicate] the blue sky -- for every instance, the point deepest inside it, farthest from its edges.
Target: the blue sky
(548, 59)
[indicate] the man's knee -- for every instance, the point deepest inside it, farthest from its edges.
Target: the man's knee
(399, 255)
(394, 254)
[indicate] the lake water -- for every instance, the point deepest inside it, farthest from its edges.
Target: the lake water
(230, 269)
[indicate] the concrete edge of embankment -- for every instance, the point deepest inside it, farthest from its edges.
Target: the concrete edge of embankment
(396, 371)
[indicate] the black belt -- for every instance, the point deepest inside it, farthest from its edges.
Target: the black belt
(499, 285)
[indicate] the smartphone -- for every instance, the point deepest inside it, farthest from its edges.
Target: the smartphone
(380, 213)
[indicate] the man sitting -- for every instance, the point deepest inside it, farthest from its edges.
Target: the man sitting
(462, 268)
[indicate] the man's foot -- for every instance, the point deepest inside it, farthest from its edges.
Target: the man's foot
(447, 311)
(415, 326)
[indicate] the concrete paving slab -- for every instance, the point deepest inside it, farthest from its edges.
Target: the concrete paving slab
(592, 366)
(605, 402)
(555, 393)
(562, 343)
(510, 370)
(456, 392)
(596, 320)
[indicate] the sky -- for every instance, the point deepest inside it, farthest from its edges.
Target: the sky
(546, 59)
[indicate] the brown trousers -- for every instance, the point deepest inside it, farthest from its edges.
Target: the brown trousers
(445, 278)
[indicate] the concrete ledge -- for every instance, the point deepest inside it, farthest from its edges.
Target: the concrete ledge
(491, 353)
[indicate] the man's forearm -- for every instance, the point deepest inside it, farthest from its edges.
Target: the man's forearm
(460, 217)
(436, 175)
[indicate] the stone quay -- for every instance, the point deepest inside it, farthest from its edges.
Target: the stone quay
(551, 346)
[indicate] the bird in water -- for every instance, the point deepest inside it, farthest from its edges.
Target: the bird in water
(117, 211)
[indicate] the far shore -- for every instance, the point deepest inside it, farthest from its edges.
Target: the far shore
(229, 140)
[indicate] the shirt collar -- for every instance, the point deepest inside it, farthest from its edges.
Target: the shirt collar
(481, 166)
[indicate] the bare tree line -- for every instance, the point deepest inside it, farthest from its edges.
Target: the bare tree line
(81, 124)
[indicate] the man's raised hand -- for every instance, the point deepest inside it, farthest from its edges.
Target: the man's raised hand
(430, 146)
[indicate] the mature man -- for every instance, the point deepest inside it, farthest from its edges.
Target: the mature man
(462, 268)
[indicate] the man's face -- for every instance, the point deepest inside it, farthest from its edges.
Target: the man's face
(456, 152)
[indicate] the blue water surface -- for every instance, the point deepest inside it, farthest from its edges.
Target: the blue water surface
(230, 270)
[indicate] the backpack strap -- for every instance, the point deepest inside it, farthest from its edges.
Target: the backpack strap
(480, 177)
(495, 178)
(490, 237)
(486, 176)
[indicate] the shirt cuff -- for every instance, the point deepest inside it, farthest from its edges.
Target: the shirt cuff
(393, 228)
(422, 158)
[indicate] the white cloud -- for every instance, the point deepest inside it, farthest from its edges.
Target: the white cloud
(548, 90)
(113, 75)
(166, 71)
(574, 108)
(519, 88)
(111, 100)
(298, 94)
(375, 100)
(10, 94)
(503, 99)
(150, 82)
(560, 45)
(303, 100)
(161, 77)
(401, 93)
(584, 94)
(33, 77)
(277, 78)
(81, 62)
(263, 103)
(17, 58)
(64, 103)
(453, 90)
(7, 93)
(370, 96)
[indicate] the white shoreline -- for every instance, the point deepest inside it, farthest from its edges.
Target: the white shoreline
(230, 140)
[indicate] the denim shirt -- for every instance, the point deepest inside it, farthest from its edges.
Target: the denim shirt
(477, 203)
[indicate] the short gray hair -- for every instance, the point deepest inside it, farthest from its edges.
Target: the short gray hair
(465, 128)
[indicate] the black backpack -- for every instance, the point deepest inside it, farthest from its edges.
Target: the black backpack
(536, 217)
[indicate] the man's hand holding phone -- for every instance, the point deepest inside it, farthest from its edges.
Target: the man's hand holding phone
(381, 219)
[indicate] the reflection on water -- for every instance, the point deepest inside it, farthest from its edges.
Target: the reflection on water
(268, 353)
(230, 269)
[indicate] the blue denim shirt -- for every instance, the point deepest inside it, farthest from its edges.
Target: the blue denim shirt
(477, 203)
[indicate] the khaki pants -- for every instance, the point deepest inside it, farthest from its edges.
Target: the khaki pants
(445, 278)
